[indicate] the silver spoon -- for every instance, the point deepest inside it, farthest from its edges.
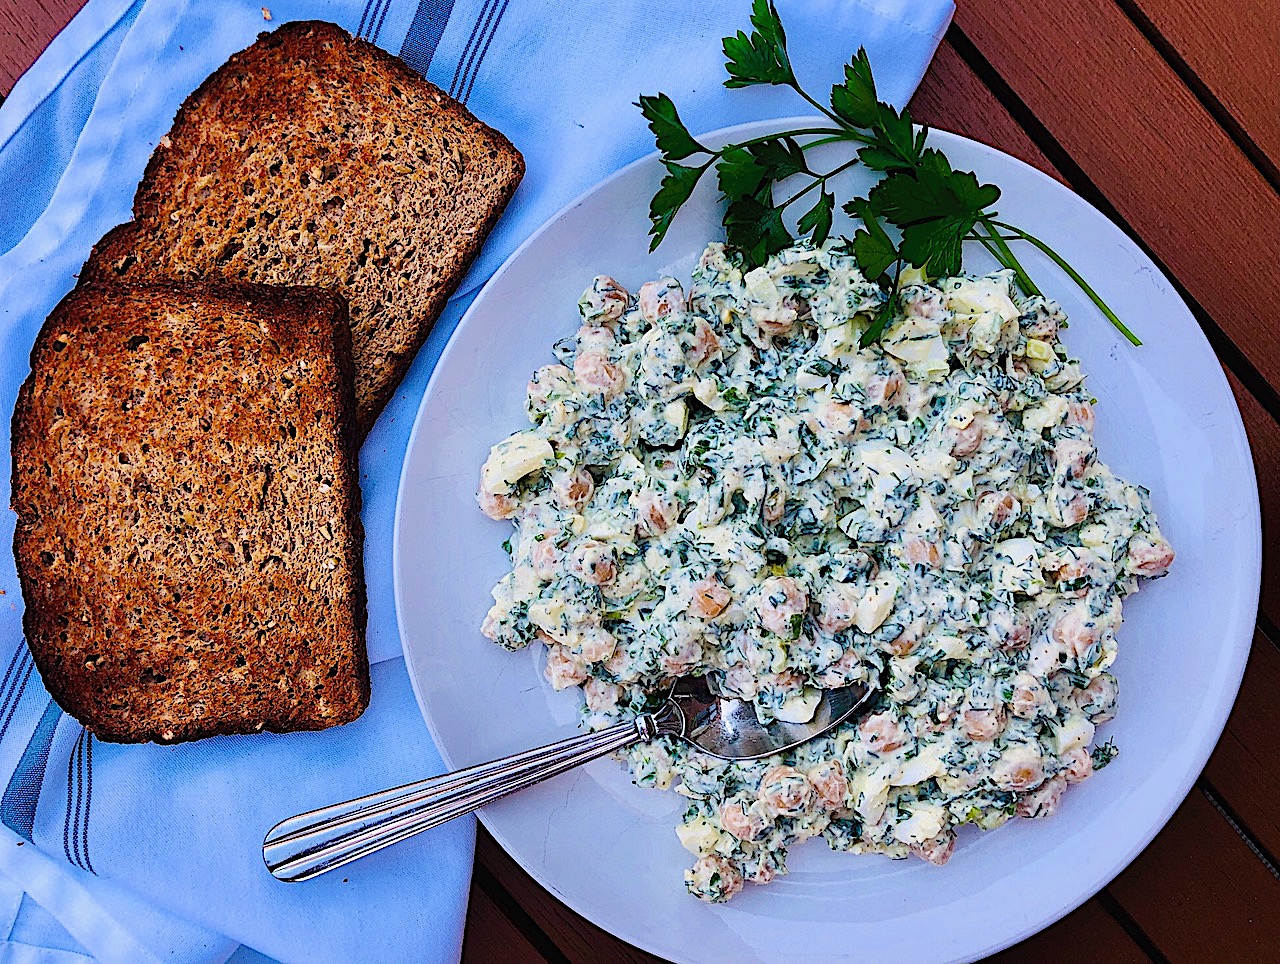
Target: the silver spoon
(313, 843)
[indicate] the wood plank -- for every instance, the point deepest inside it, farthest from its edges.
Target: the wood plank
(950, 96)
(1123, 115)
(581, 941)
(26, 28)
(510, 944)
(1247, 784)
(953, 98)
(1199, 893)
(1242, 770)
(1234, 51)
(1089, 933)
(490, 936)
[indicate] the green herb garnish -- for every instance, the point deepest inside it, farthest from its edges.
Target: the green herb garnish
(1104, 754)
(933, 208)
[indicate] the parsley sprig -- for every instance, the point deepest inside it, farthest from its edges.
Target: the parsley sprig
(932, 209)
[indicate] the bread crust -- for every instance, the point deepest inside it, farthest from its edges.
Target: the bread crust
(188, 540)
(313, 157)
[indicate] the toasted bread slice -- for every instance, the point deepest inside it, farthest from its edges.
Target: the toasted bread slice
(316, 158)
(188, 539)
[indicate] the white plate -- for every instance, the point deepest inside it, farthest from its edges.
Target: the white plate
(1166, 419)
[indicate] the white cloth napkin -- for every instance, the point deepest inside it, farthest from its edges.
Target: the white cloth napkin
(142, 853)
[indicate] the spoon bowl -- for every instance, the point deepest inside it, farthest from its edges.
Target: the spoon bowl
(731, 729)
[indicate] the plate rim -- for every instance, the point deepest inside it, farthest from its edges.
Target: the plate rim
(1210, 734)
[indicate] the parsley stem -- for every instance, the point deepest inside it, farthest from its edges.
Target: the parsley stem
(795, 85)
(995, 252)
(1004, 254)
(1074, 276)
(844, 124)
(920, 193)
(837, 135)
(834, 139)
(818, 179)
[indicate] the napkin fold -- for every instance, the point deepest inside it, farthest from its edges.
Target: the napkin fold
(141, 853)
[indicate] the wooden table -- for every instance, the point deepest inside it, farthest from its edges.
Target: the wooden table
(1165, 114)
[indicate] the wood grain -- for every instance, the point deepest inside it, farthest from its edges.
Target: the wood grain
(26, 27)
(1090, 933)
(581, 941)
(1233, 49)
(491, 937)
(1199, 893)
(951, 97)
(1242, 770)
(1151, 148)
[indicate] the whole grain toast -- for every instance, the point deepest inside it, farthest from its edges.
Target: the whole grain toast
(313, 157)
(188, 539)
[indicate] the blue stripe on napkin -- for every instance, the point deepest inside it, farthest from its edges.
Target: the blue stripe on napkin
(88, 799)
(18, 805)
(469, 50)
(14, 661)
(14, 685)
(364, 17)
(376, 20)
(571, 134)
(424, 34)
(75, 826)
(476, 62)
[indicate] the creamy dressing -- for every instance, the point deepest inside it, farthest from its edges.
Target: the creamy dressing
(726, 484)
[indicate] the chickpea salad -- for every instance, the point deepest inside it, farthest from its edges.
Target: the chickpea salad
(721, 482)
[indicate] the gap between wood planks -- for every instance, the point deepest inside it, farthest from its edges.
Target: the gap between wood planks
(494, 909)
(1103, 928)
(1224, 40)
(1241, 779)
(497, 909)
(496, 920)
(1259, 401)
(574, 938)
(955, 97)
(933, 106)
(491, 935)
(1008, 123)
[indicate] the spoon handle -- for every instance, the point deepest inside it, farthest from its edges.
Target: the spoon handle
(312, 843)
